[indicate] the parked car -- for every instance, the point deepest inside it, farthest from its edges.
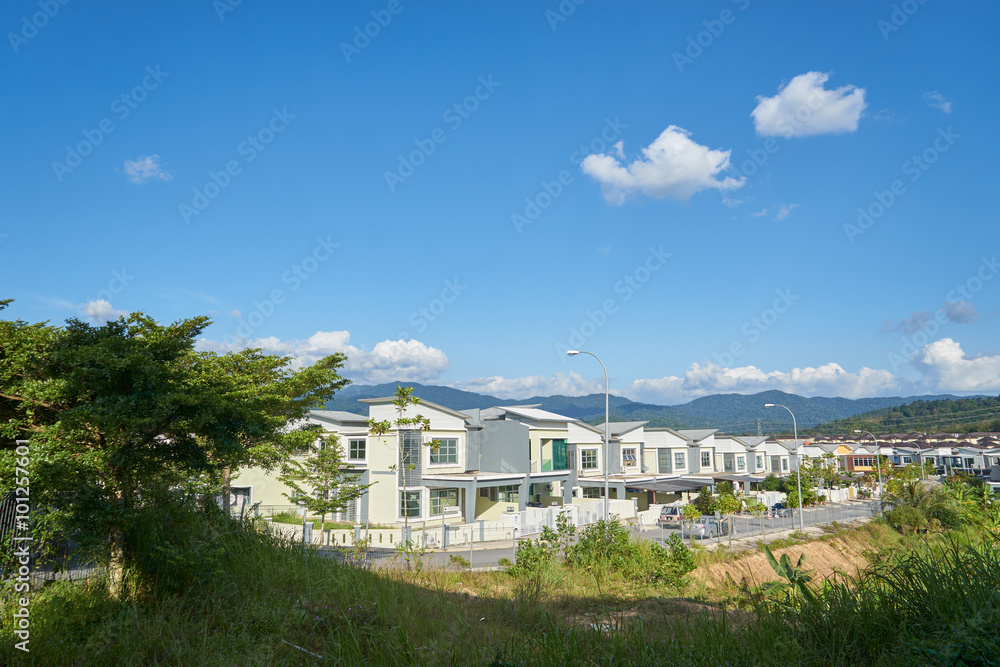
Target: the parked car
(779, 510)
(670, 517)
(708, 526)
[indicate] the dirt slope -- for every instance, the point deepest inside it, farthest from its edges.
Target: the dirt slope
(843, 554)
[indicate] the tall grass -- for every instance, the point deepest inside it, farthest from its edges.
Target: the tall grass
(272, 604)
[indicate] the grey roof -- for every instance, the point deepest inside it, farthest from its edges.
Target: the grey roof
(698, 434)
(390, 399)
(536, 414)
(618, 428)
(338, 416)
(753, 440)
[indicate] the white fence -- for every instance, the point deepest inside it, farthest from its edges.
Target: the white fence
(433, 535)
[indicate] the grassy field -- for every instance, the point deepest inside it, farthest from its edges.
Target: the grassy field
(934, 602)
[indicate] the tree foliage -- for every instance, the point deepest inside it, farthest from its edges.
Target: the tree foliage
(322, 483)
(128, 415)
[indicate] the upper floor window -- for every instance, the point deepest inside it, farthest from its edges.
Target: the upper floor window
(760, 462)
(706, 459)
(356, 450)
(784, 464)
(445, 452)
(741, 463)
(628, 456)
(588, 459)
(679, 460)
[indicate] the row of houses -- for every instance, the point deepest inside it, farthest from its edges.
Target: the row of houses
(488, 463)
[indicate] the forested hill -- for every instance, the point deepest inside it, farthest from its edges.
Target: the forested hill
(731, 413)
(960, 415)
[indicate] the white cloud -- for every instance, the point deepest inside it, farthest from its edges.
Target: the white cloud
(958, 312)
(100, 311)
(938, 101)
(146, 168)
(389, 360)
(672, 166)
(785, 211)
(667, 390)
(946, 367)
(804, 108)
(759, 214)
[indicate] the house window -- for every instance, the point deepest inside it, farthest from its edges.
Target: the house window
(728, 463)
(588, 459)
(706, 459)
(356, 450)
(931, 460)
(907, 459)
(679, 460)
(591, 493)
(784, 464)
(741, 463)
(441, 498)
(969, 463)
(508, 494)
(409, 503)
(775, 463)
(864, 462)
(760, 463)
(663, 460)
(628, 457)
(445, 452)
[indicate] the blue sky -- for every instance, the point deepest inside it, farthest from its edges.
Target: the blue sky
(728, 196)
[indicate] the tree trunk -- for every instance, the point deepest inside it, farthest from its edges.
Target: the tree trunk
(116, 563)
(226, 472)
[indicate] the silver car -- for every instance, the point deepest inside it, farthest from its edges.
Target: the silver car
(707, 527)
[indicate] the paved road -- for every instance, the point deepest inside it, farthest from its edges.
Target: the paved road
(748, 533)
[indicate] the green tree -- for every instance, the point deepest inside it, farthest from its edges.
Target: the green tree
(322, 483)
(402, 401)
(127, 416)
(704, 500)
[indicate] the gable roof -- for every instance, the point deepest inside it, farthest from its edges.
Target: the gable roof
(339, 416)
(698, 434)
(621, 428)
(440, 408)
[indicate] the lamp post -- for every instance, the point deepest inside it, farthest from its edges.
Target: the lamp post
(798, 459)
(607, 430)
(878, 462)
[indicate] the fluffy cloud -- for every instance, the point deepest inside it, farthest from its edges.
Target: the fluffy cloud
(938, 101)
(101, 312)
(946, 367)
(705, 379)
(672, 166)
(958, 312)
(572, 384)
(146, 168)
(390, 360)
(785, 211)
(804, 108)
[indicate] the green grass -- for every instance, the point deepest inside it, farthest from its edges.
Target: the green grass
(935, 602)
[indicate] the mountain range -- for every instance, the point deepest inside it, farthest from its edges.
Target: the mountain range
(730, 413)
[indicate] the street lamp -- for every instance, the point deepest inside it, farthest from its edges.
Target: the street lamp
(607, 427)
(798, 459)
(878, 463)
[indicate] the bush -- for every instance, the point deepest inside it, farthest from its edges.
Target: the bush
(608, 545)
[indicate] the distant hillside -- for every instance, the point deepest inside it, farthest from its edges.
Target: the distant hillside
(731, 413)
(950, 415)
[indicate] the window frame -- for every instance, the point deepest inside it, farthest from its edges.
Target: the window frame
(634, 457)
(440, 449)
(437, 509)
(706, 459)
(586, 454)
(351, 449)
(407, 507)
(680, 461)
